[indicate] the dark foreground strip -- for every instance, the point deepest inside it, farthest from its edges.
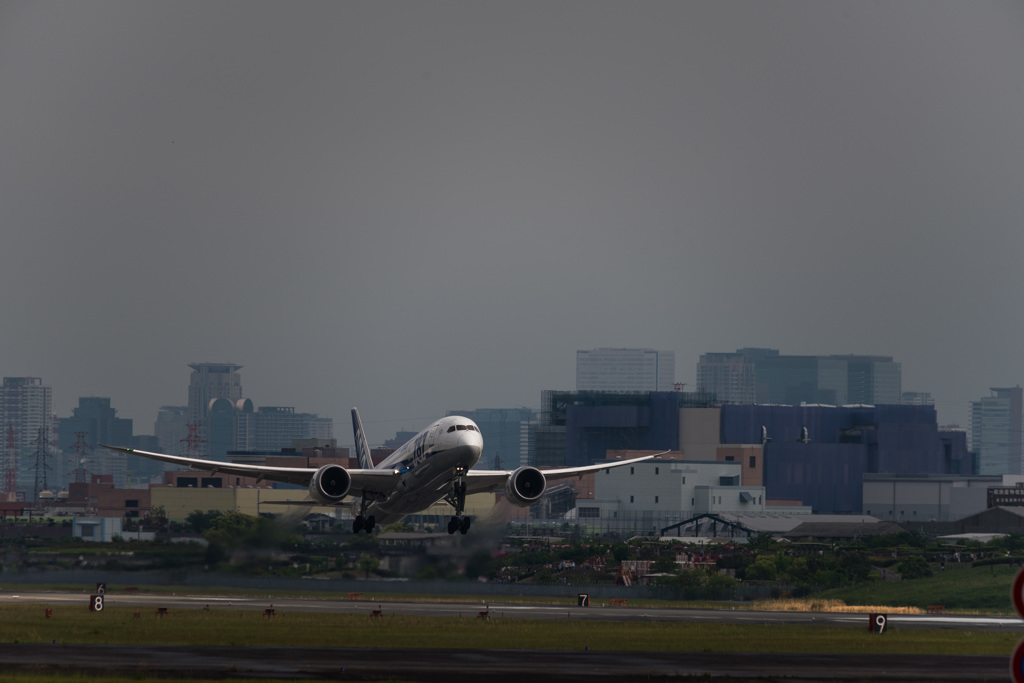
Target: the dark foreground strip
(498, 666)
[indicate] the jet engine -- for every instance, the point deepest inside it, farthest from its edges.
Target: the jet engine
(330, 484)
(525, 486)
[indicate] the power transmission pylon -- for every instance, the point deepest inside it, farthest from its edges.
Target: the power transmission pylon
(42, 453)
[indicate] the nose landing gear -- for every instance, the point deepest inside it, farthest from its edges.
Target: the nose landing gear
(457, 499)
(460, 524)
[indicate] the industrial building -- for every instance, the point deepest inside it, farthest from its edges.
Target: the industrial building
(820, 454)
(647, 496)
(926, 497)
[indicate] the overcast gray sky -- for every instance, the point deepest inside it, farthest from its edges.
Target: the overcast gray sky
(412, 207)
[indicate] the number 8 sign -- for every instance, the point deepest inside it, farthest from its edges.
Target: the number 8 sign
(95, 603)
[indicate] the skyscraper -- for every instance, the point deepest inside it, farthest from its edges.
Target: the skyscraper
(26, 406)
(98, 423)
(731, 377)
(774, 378)
(208, 383)
(625, 370)
(996, 432)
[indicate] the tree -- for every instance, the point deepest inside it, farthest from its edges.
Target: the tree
(854, 566)
(200, 521)
(914, 567)
(158, 517)
(762, 542)
(367, 563)
(665, 564)
(237, 531)
(763, 569)
(620, 551)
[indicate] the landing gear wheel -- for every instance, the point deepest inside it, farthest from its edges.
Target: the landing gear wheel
(464, 525)
(371, 522)
(453, 525)
(357, 524)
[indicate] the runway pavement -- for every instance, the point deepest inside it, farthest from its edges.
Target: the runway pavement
(498, 610)
(430, 665)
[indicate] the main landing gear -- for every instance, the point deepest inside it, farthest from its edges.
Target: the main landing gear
(457, 499)
(362, 522)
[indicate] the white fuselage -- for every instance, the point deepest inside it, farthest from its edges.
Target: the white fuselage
(427, 465)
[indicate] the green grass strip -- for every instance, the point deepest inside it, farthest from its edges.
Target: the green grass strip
(119, 625)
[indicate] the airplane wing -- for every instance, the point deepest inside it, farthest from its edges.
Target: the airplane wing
(483, 481)
(379, 481)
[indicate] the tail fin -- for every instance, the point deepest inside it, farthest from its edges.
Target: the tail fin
(362, 450)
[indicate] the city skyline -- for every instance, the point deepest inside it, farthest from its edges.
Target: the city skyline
(408, 208)
(385, 431)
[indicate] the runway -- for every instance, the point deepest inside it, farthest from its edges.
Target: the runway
(434, 665)
(498, 610)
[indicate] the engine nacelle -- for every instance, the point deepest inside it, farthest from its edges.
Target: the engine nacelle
(330, 484)
(525, 486)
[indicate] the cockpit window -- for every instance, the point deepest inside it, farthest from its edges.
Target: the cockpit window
(461, 428)
(452, 428)
(471, 428)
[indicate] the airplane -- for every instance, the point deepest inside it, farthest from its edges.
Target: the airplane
(435, 465)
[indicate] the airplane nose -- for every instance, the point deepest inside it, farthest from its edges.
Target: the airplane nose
(472, 440)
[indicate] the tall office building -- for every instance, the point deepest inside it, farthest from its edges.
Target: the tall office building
(731, 377)
(793, 380)
(872, 380)
(211, 387)
(26, 407)
(917, 398)
(275, 427)
(996, 432)
(211, 381)
(625, 370)
(171, 428)
(98, 423)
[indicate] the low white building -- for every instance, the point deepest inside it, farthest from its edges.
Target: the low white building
(928, 497)
(99, 529)
(648, 496)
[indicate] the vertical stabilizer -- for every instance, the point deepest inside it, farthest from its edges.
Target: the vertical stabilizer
(362, 450)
